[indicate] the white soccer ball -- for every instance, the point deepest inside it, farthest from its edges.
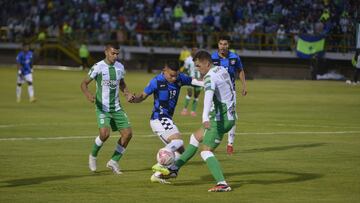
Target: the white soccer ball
(165, 157)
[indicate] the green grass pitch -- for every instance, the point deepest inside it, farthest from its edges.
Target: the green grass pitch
(297, 141)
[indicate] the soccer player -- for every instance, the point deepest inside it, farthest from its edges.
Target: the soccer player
(232, 63)
(192, 72)
(109, 77)
(24, 64)
(166, 88)
(217, 119)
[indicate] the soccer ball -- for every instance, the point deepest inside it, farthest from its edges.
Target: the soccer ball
(165, 157)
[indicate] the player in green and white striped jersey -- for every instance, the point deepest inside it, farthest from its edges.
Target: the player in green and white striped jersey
(189, 66)
(109, 77)
(218, 118)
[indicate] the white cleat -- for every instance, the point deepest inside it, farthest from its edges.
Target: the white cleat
(114, 166)
(92, 163)
(156, 179)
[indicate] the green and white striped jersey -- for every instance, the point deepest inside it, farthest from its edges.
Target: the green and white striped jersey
(189, 65)
(107, 79)
(219, 81)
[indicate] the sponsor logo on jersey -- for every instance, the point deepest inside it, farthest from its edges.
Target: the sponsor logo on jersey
(110, 83)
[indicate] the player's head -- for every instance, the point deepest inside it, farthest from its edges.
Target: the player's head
(171, 71)
(193, 51)
(223, 44)
(111, 52)
(25, 46)
(203, 62)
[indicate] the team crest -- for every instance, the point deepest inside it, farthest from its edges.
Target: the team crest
(232, 61)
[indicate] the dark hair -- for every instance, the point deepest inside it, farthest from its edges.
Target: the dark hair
(25, 44)
(224, 37)
(202, 55)
(173, 65)
(112, 45)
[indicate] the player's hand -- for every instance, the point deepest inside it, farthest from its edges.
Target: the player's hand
(90, 97)
(206, 124)
(244, 92)
(130, 97)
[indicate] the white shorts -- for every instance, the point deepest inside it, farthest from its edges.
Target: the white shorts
(22, 78)
(164, 128)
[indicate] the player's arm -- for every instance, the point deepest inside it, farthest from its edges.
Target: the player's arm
(139, 98)
(85, 89)
(18, 65)
(208, 98)
(243, 82)
(123, 88)
(195, 82)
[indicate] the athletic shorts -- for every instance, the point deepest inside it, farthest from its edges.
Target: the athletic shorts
(214, 135)
(163, 127)
(22, 78)
(116, 120)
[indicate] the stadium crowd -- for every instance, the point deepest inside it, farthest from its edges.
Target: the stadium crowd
(103, 20)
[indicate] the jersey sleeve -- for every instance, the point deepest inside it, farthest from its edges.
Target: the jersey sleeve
(185, 80)
(238, 64)
(151, 87)
(18, 58)
(208, 83)
(93, 72)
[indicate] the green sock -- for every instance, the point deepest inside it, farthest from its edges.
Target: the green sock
(187, 101)
(95, 150)
(215, 169)
(116, 156)
(186, 156)
(119, 151)
(194, 105)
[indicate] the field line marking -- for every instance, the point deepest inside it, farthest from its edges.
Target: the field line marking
(152, 135)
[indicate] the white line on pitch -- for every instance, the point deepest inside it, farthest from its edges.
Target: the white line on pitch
(152, 135)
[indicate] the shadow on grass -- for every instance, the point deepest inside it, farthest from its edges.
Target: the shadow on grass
(294, 177)
(281, 148)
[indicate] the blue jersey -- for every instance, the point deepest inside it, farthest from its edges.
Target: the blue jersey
(165, 94)
(25, 60)
(231, 63)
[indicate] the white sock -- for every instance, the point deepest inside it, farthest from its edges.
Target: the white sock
(177, 155)
(18, 92)
(98, 141)
(174, 145)
(231, 135)
(31, 91)
(222, 182)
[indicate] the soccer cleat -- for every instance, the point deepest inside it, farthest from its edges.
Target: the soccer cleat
(156, 179)
(92, 163)
(114, 166)
(32, 99)
(172, 174)
(184, 112)
(220, 188)
(230, 149)
(162, 169)
(193, 114)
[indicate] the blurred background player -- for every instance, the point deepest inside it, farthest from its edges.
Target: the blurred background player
(189, 68)
(218, 118)
(356, 63)
(232, 63)
(184, 53)
(84, 56)
(24, 62)
(166, 88)
(109, 76)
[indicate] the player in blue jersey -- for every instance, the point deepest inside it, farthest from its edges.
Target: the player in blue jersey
(166, 88)
(24, 62)
(232, 63)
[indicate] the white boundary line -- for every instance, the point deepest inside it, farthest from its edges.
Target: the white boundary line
(152, 135)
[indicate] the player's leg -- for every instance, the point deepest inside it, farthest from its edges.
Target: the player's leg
(231, 136)
(212, 139)
(19, 82)
(29, 80)
(103, 121)
(185, 112)
(121, 123)
(197, 91)
(231, 139)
